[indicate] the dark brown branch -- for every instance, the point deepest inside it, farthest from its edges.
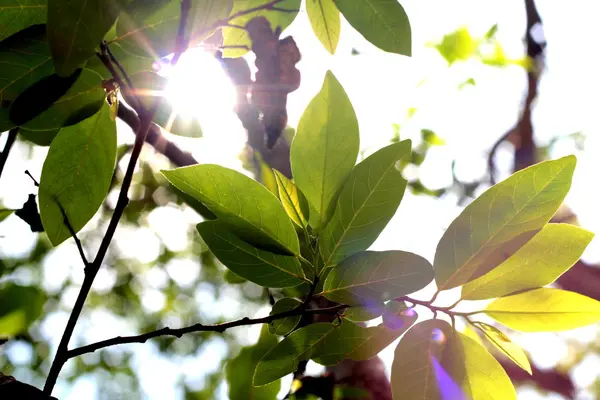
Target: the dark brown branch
(73, 235)
(10, 140)
(91, 272)
(220, 328)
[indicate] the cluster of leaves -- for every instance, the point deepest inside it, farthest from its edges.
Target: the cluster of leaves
(311, 233)
(317, 235)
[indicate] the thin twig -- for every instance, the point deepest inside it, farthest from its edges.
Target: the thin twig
(220, 328)
(91, 272)
(74, 235)
(10, 140)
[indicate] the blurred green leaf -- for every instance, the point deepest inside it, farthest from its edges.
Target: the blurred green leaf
(371, 276)
(325, 20)
(246, 206)
(75, 30)
(239, 376)
(457, 46)
(368, 200)
(284, 326)
(522, 203)
(5, 213)
(292, 199)
(384, 23)
(491, 32)
(77, 173)
(258, 266)
(549, 254)
(20, 306)
(236, 38)
(431, 138)
(545, 310)
(325, 148)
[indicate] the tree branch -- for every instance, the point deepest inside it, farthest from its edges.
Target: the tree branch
(220, 328)
(91, 272)
(12, 136)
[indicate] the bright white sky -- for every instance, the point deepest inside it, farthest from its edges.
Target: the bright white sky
(382, 88)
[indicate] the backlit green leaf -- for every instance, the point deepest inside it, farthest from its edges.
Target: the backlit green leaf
(473, 243)
(5, 213)
(245, 205)
(384, 23)
(16, 15)
(367, 202)
(150, 87)
(419, 370)
(75, 30)
(77, 173)
(366, 313)
(41, 138)
(284, 326)
(457, 46)
(149, 28)
(19, 307)
(256, 265)
(293, 201)
(505, 345)
(239, 376)
(483, 376)
(327, 344)
(83, 99)
(233, 37)
(545, 310)
(540, 261)
(325, 148)
(372, 276)
(25, 59)
(324, 18)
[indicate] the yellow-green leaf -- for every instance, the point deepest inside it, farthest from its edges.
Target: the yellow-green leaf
(523, 203)
(325, 20)
(550, 253)
(293, 201)
(505, 345)
(545, 310)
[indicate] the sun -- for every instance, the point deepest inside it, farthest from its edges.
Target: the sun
(199, 89)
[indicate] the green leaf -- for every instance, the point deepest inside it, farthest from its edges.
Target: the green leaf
(549, 254)
(233, 278)
(418, 369)
(256, 265)
(505, 345)
(284, 326)
(77, 173)
(239, 37)
(245, 205)
(431, 138)
(325, 148)
(5, 213)
(366, 313)
(384, 23)
(396, 313)
(16, 15)
(293, 201)
(372, 276)
(76, 28)
(545, 310)
(457, 46)
(324, 18)
(41, 138)
(40, 96)
(367, 202)
(25, 59)
(523, 203)
(326, 344)
(83, 99)
(149, 27)
(151, 86)
(237, 371)
(20, 306)
(483, 376)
